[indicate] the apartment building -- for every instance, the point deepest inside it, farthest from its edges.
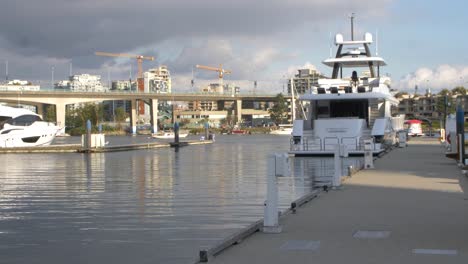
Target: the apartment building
(304, 80)
(157, 80)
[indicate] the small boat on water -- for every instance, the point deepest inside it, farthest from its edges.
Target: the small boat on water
(238, 132)
(20, 127)
(169, 135)
(284, 129)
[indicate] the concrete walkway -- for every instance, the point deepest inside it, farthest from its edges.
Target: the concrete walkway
(410, 209)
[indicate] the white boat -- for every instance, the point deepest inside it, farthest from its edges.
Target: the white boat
(414, 128)
(350, 110)
(169, 135)
(283, 129)
(20, 127)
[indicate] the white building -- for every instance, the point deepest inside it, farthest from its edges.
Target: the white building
(64, 84)
(157, 80)
(121, 85)
(304, 80)
(86, 82)
(19, 85)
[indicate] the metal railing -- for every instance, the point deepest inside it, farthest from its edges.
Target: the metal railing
(329, 143)
(355, 143)
(325, 145)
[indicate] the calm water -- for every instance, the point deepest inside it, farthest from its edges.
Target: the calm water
(146, 206)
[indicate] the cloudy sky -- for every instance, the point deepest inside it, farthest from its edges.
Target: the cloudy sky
(265, 40)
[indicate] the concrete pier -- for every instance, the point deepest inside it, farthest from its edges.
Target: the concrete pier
(78, 148)
(412, 208)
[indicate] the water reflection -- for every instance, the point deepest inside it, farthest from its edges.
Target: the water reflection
(146, 206)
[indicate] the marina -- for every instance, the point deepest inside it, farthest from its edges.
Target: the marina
(205, 132)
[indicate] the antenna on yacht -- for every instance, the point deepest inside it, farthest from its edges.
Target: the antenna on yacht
(71, 69)
(352, 26)
(331, 41)
(108, 78)
(293, 101)
(6, 70)
(377, 42)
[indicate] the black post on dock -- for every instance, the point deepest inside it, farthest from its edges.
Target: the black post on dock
(460, 117)
(176, 133)
(88, 135)
(207, 127)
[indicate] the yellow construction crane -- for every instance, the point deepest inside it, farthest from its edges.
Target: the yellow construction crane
(220, 71)
(139, 59)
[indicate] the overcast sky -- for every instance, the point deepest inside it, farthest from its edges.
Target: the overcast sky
(265, 40)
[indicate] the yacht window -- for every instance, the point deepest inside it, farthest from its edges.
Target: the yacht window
(30, 139)
(9, 130)
(349, 108)
(322, 111)
(4, 118)
(24, 120)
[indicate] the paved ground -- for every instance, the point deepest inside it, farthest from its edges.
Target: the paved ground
(410, 209)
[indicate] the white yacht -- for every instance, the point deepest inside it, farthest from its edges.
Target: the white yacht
(348, 110)
(169, 135)
(20, 127)
(283, 129)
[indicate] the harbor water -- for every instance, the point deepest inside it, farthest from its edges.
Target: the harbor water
(144, 206)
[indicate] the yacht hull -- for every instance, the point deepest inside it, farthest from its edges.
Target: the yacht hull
(37, 134)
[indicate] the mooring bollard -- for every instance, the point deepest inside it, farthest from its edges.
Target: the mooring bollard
(368, 155)
(176, 133)
(402, 139)
(461, 145)
(282, 167)
(88, 134)
(340, 152)
(207, 127)
(270, 222)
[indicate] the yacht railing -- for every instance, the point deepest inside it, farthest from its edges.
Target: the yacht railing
(325, 145)
(354, 142)
(328, 143)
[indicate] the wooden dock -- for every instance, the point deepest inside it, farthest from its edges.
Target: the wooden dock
(76, 148)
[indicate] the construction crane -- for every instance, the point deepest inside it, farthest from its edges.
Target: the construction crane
(139, 59)
(220, 71)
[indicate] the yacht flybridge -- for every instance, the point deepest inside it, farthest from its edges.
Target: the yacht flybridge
(349, 108)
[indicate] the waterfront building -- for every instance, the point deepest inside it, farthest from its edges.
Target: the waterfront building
(121, 85)
(157, 80)
(426, 106)
(418, 105)
(214, 88)
(304, 80)
(86, 82)
(19, 85)
(64, 84)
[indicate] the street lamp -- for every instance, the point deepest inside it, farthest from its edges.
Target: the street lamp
(52, 80)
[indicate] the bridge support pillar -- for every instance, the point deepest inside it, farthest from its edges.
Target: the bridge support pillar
(133, 116)
(154, 115)
(60, 114)
(239, 111)
(40, 110)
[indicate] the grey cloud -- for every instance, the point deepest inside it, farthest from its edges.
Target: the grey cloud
(75, 29)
